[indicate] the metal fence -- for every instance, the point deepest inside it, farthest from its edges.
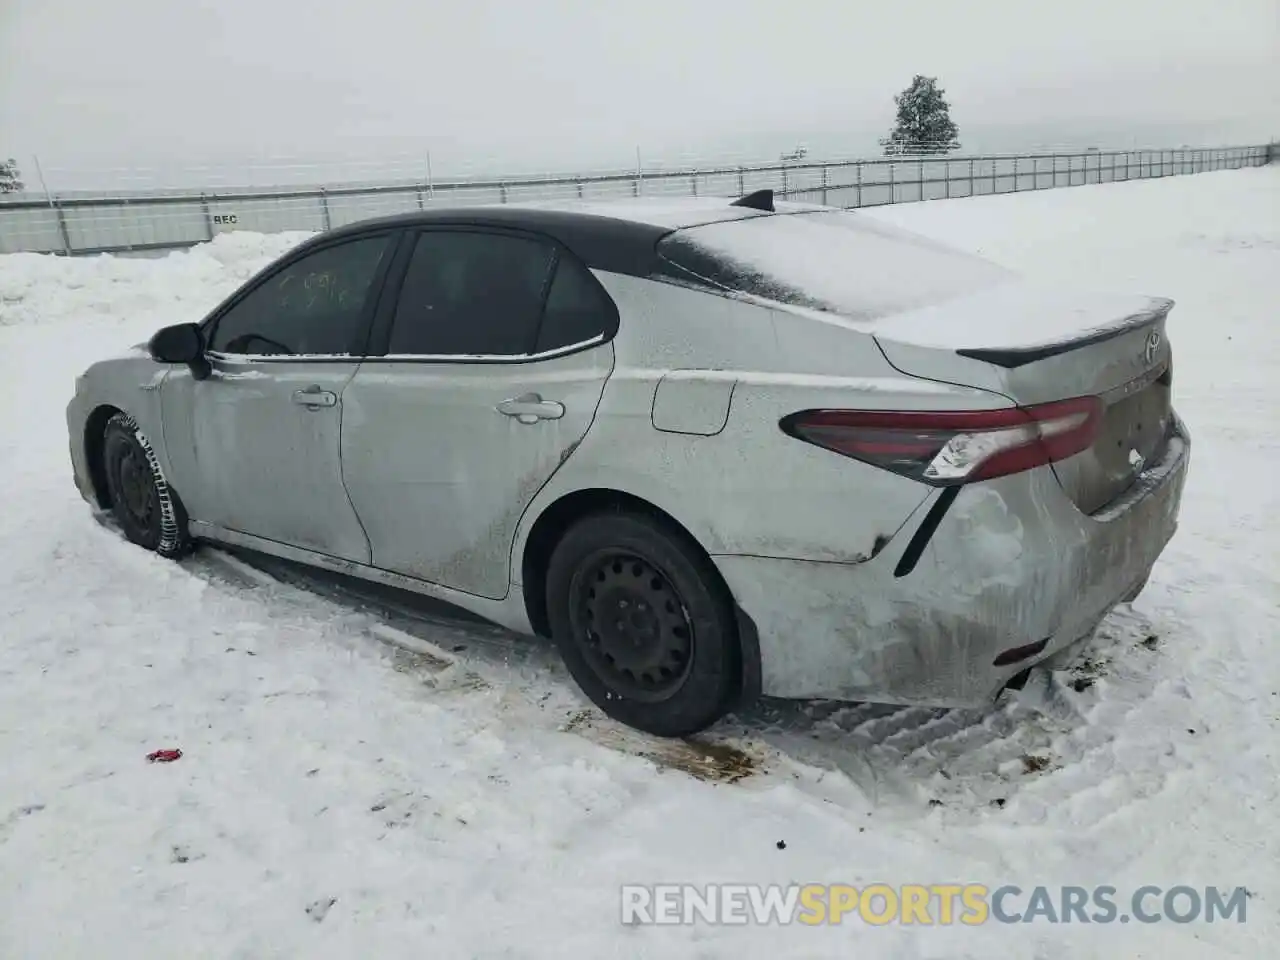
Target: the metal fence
(136, 220)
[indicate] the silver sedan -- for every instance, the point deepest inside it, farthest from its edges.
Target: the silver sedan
(715, 449)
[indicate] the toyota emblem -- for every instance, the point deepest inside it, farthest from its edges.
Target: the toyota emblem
(1153, 344)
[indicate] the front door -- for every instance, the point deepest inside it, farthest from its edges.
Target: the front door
(257, 445)
(494, 362)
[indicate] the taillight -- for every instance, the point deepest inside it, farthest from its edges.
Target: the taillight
(949, 447)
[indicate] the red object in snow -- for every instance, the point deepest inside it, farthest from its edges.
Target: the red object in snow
(163, 756)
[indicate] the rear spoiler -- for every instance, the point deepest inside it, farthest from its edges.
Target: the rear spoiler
(1020, 356)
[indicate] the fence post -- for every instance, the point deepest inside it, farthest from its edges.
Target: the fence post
(859, 203)
(128, 245)
(824, 186)
(208, 217)
(324, 206)
(502, 192)
(742, 181)
(63, 234)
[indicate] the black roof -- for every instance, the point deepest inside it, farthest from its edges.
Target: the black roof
(622, 240)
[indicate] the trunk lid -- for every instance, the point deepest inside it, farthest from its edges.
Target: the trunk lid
(1036, 344)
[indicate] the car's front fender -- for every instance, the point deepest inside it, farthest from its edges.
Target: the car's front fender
(131, 384)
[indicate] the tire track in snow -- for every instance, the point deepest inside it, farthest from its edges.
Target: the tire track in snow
(524, 675)
(909, 758)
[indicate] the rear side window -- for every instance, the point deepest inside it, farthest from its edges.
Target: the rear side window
(471, 294)
(837, 261)
(578, 309)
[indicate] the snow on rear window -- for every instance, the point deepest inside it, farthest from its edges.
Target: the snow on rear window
(833, 261)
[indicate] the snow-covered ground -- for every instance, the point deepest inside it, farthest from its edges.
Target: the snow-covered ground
(338, 797)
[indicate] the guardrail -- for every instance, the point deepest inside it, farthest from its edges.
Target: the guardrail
(136, 220)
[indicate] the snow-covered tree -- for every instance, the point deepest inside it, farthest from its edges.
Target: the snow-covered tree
(10, 181)
(924, 120)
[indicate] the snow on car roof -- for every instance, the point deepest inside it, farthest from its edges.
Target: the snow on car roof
(832, 260)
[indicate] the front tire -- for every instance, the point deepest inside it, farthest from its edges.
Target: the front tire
(644, 623)
(148, 511)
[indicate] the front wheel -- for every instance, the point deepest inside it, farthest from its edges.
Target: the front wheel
(148, 511)
(644, 623)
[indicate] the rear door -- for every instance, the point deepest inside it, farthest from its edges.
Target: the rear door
(256, 446)
(495, 349)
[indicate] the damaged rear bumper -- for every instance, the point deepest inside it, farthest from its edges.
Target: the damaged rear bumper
(1011, 564)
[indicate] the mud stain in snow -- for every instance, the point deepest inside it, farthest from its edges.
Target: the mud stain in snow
(699, 757)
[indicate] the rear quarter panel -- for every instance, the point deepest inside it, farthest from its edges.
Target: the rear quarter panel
(746, 488)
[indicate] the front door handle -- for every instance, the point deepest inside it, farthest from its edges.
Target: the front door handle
(314, 398)
(530, 408)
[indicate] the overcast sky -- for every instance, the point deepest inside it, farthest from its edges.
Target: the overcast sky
(555, 82)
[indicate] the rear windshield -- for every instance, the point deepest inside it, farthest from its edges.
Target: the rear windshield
(835, 261)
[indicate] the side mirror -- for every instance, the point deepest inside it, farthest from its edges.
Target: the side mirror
(181, 343)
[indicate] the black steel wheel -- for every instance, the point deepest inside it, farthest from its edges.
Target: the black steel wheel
(636, 632)
(147, 509)
(644, 623)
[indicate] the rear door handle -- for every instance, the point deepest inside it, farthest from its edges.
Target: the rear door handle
(530, 408)
(314, 398)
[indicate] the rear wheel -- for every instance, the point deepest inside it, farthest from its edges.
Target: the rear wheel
(643, 623)
(148, 511)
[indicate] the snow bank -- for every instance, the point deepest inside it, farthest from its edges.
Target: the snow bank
(337, 800)
(180, 286)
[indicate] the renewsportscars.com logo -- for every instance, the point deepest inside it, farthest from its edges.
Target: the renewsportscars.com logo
(969, 904)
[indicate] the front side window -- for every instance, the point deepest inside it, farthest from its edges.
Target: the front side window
(314, 306)
(471, 294)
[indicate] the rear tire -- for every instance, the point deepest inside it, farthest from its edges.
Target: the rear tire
(147, 509)
(644, 623)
